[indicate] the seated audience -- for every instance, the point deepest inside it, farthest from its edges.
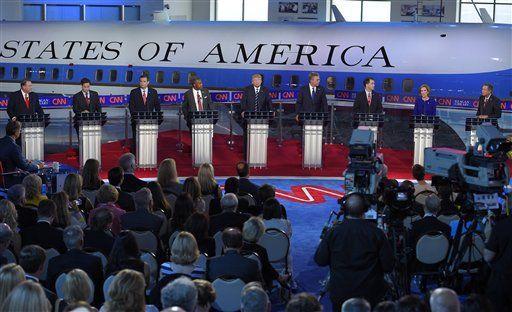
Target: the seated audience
(125, 254)
(445, 192)
(418, 172)
(27, 215)
(76, 258)
(229, 216)
(444, 299)
(67, 214)
(32, 258)
(107, 198)
(231, 186)
(73, 187)
(99, 236)
(9, 216)
(77, 287)
(385, 306)
(197, 224)
(232, 263)
(192, 187)
(357, 265)
(43, 233)
(80, 306)
(27, 296)
(142, 219)
(160, 207)
(303, 302)
(205, 295)
(125, 199)
(356, 305)
(183, 209)
(182, 293)
(127, 293)
(273, 217)
(254, 298)
(477, 303)
(131, 183)
(167, 177)
(265, 192)
(33, 190)
(11, 275)
(246, 186)
(210, 189)
(91, 179)
(6, 235)
(411, 303)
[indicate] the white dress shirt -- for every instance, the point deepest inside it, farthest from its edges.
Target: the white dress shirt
(311, 89)
(196, 92)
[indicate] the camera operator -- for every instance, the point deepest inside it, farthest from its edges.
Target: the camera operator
(358, 254)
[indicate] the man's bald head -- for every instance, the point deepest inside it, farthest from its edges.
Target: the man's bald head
(355, 205)
(444, 300)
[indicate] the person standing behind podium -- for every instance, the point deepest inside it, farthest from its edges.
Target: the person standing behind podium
(368, 101)
(311, 98)
(23, 101)
(488, 104)
(196, 99)
(142, 99)
(86, 100)
(425, 105)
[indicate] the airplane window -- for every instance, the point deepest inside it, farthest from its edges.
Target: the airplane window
(191, 77)
(176, 77)
(387, 84)
(42, 73)
(99, 75)
(349, 83)
(407, 85)
(14, 73)
(55, 74)
(69, 74)
(129, 76)
(276, 81)
(28, 72)
(159, 76)
(331, 83)
(294, 81)
(113, 75)
(2, 72)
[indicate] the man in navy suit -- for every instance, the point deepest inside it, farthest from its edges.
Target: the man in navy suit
(489, 105)
(11, 157)
(142, 99)
(196, 99)
(86, 100)
(368, 101)
(312, 98)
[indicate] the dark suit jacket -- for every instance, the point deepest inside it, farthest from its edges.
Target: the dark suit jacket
(137, 104)
(142, 221)
(247, 103)
(125, 200)
(12, 158)
(268, 272)
(189, 102)
(132, 184)
(492, 109)
(50, 295)
(233, 265)
(245, 186)
(426, 225)
(305, 103)
(16, 105)
(361, 103)
(80, 104)
(27, 216)
(99, 240)
(156, 292)
(44, 235)
(227, 219)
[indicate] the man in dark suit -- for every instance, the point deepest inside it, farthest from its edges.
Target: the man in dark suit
(76, 258)
(125, 199)
(312, 98)
(368, 101)
(489, 105)
(43, 233)
(229, 217)
(232, 264)
(86, 100)
(196, 99)
(245, 186)
(358, 254)
(256, 98)
(142, 219)
(429, 223)
(143, 99)
(23, 101)
(32, 259)
(130, 183)
(11, 157)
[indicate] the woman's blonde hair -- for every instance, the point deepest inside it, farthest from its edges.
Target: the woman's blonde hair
(27, 296)
(33, 186)
(426, 86)
(167, 173)
(107, 194)
(8, 214)
(206, 178)
(10, 276)
(127, 292)
(73, 186)
(253, 229)
(184, 249)
(77, 286)
(63, 215)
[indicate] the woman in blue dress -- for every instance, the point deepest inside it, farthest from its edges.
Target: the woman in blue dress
(424, 104)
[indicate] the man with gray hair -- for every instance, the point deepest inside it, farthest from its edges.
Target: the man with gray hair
(142, 218)
(131, 183)
(429, 223)
(254, 298)
(27, 216)
(229, 217)
(6, 235)
(181, 292)
(356, 305)
(76, 258)
(444, 300)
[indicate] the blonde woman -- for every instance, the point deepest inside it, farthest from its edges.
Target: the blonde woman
(77, 287)
(184, 254)
(27, 296)
(67, 214)
(206, 178)
(10, 276)
(73, 187)
(192, 187)
(127, 293)
(168, 180)
(33, 190)
(9, 215)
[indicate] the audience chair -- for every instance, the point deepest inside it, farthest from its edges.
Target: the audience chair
(106, 286)
(50, 253)
(277, 244)
(11, 258)
(150, 259)
(228, 294)
(146, 240)
(219, 245)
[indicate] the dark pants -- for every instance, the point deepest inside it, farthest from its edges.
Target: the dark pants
(134, 138)
(499, 290)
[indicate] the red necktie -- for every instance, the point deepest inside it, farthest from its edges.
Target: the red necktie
(199, 102)
(369, 99)
(27, 101)
(144, 96)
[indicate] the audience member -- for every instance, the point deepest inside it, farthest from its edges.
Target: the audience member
(357, 265)
(142, 218)
(411, 303)
(303, 302)
(107, 198)
(232, 263)
(32, 258)
(11, 275)
(167, 177)
(99, 236)
(182, 293)
(6, 235)
(205, 295)
(229, 216)
(209, 186)
(265, 192)
(385, 306)
(125, 199)
(476, 303)
(254, 299)
(27, 296)
(444, 300)
(67, 214)
(184, 254)
(27, 215)
(77, 287)
(246, 186)
(197, 224)
(183, 209)
(9, 216)
(91, 179)
(33, 190)
(273, 217)
(356, 305)
(43, 233)
(192, 187)
(80, 306)
(418, 172)
(131, 183)
(73, 187)
(127, 293)
(125, 255)
(231, 185)
(160, 207)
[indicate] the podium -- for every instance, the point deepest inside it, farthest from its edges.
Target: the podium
(257, 135)
(373, 122)
(32, 135)
(312, 138)
(423, 135)
(202, 135)
(146, 127)
(473, 122)
(89, 138)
